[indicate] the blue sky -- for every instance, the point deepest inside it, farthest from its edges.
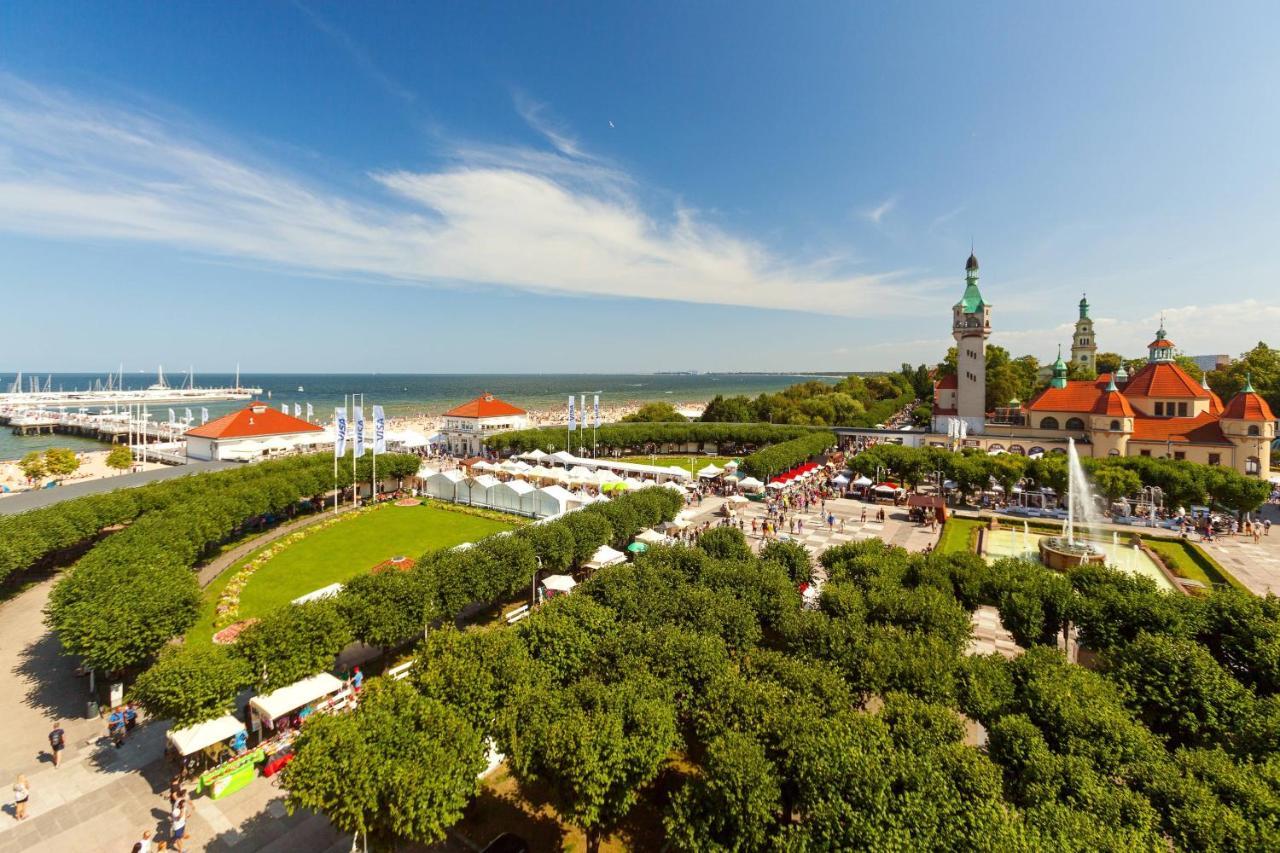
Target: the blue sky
(583, 186)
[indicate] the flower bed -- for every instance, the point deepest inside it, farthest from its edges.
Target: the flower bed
(231, 633)
(403, 564)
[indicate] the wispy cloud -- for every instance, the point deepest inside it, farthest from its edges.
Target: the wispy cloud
(552, 222)
(357, 53)
(538, 116)
(881, 210)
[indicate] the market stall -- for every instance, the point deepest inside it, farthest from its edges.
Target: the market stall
(278, 715)
(554, 585)
(605, 556)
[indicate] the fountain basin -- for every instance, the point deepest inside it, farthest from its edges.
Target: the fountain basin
(1004, 542)
(1057, 552)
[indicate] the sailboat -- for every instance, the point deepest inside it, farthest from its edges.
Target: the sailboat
(159, 384)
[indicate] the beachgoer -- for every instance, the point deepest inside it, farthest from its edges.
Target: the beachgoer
(21, 793)
(178, 824)
(57, 742)
(145, 844)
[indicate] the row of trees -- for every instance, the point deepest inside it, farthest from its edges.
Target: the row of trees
(649, 437)
(853, 401)
(135, 590)
(1183, 483)
(190, 684)
(778, 458)
(695, 672)
(54, 462)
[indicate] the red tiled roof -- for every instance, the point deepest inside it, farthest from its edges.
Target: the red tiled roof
(1160, 344)
(1248, 406)
(1164, 379)
(1202, 429)
(948, 381)
(484, 406)
(1215, 404)
(1113, 403)
(258, 419)
(1080, 395)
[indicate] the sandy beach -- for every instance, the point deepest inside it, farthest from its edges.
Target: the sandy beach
(428, 424)
(93, 466)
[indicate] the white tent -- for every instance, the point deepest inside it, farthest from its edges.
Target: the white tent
(553, 500)
(583, 473)
(750, 484)
(323, 592)
(632, 484)
(679, 471)
(297, 695)
(558, 583)
(672, 484)
(604, 475)
(605, 556)
(197, 737)
(841, 480)
(737, 499)
(444, 484)
(709, 471)
(534, 455)
(475, 490)
(483, 465)
(509, 496)
(861, 481)
(412, 439)
(650, 537)
(564, 457)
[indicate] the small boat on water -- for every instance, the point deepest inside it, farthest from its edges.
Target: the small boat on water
(300, 389)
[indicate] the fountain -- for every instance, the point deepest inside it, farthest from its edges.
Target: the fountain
(1067, 550)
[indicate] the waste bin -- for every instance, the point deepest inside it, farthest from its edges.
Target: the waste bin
(91, 709)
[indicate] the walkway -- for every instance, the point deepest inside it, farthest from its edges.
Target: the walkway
(1255, 566)
(47, 497)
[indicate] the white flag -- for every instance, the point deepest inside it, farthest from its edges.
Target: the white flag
(340, 421)
(204, 415)
(357, 414)
(172, 416)
(964, 428)
(582, 407)
(379, 430)
(596, 400)
(284, 407)
(297, 410)
(310, 411)
(570, 413)
(187, 412)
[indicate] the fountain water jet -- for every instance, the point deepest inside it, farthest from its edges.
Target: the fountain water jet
(1072, 548)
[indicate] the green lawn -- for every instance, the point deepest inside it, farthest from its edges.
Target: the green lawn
(699, 462)
(957, 535)
(341, 552)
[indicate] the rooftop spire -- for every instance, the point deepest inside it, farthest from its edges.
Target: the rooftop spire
(1248, 384)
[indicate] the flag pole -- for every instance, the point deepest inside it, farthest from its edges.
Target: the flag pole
(373, 486)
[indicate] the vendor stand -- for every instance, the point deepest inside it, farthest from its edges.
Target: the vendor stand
(216, 750)
(277, 716)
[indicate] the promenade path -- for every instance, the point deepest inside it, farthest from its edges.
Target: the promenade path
(47, 497)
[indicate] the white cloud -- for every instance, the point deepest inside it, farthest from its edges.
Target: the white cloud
(881, 210)
(555, 222)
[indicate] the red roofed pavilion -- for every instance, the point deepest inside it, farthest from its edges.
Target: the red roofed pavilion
(253, 432)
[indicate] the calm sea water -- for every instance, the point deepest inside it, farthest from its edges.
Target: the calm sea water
(413, 394)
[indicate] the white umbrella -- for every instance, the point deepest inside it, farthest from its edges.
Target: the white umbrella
(862, 481)
(535, 455)
(749, 483)
(650, 537)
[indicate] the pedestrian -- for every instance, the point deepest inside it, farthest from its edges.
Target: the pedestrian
(357, 679)
(57, 742)
(145, 844)
(1266, 527)
(115, 727)
(21, 793)
(178, 824)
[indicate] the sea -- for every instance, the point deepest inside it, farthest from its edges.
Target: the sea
(412, 394)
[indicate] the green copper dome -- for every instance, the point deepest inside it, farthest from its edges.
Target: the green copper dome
(1059, 371)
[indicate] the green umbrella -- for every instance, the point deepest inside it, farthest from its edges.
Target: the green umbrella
(637, 547)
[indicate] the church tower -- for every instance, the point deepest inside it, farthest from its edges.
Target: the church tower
(1084, 349)
(971, 326)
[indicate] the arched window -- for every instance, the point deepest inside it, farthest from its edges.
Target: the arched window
(1253, 429)
(1115, 426)
(1252, 465)
(1049, 423)
(1017, 448)
(1075, 423)
(1036, 451)
(991, 448)
(1114, 453)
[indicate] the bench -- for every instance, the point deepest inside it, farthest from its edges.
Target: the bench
(516, 614)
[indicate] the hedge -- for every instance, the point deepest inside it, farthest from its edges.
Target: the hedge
(781, 457)
(636, 436)
(126, 597)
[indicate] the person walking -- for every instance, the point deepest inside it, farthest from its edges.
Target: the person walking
(144, 844)
(178, 824)
(57, 742)
(21, 793)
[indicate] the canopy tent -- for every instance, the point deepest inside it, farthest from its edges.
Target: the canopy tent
(672, 484)
(553, 500)
(737, 499)
(534, 455)
(315, 595)
(484, 465)
(650, 537)
(558, 584)
(411, 439)
(605, 556)
(512, 466)
(201, 735)
(709, 472)
(444, 484)
(582, 474)
(841, 480)
(632, 484)
(510, 496)
(861, 482)
(475, 490)
(564, 457)
(886, 489)
(277, 703)
(776, 484)
(604, 475)
(750, 484)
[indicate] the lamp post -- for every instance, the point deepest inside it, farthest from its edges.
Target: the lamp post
(533, 586)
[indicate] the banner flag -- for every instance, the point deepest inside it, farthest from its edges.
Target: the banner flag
(340, 421)
(284, 407)
(297, 410)
(357, 414)
(310, 411)
(204, 415)
(597, 405)
(582, 407)
(379, 430)
(570, 413)
(188, 414)
(172, 416)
